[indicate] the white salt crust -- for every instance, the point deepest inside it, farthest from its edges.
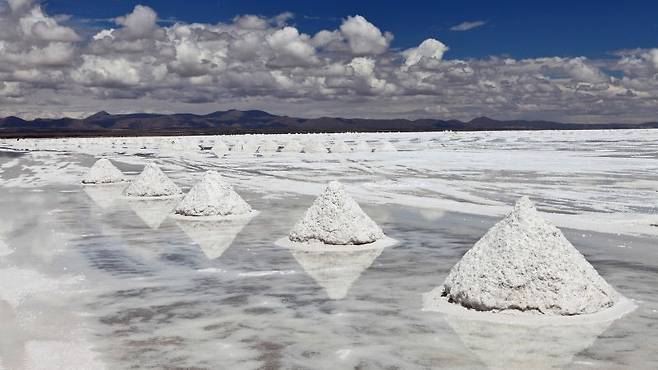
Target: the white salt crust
(318, 246)
(152, 183)
(335, 218)
(103, 172)
(213, 197)
(524, 263)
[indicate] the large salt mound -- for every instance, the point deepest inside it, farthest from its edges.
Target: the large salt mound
(152, 182)
(103, 172)
(212, 196)
(336, 219)
(525, 263)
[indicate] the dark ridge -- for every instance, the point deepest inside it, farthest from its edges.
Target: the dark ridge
(256, 121)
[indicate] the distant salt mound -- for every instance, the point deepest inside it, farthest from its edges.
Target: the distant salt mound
(524, 263)
(339, 146)
(103, 172)
(385, 146)
(314, 147)
(220, 148)
(335, 219)
(293, 146)
(268, 146)
(362, 146)
(212, 197)
(152, 182)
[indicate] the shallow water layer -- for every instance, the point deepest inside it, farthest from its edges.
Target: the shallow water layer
(93, 280)
(174, 298)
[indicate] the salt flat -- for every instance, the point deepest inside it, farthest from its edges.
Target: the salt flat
(109, 283)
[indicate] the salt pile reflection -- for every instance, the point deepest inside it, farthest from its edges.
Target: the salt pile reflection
(213, 237)
(336, 271)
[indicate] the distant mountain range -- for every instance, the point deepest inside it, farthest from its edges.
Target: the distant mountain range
(255, 121)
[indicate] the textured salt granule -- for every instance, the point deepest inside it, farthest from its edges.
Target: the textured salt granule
(152, 182)
(339, 147)
(525, 263)
(336, 219)
(212, 196)
(103, 172)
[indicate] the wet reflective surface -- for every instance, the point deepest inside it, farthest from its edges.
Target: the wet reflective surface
(92, 280)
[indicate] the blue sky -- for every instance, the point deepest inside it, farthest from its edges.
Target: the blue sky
(520, 29)
(575, 61)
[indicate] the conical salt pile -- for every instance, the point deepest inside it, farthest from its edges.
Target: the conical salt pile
(336, 219)
(103, 172)
(152, 182)
(212, 196)
(339, 147)
(525, 263)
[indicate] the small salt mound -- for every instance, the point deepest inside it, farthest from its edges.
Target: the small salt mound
(220, 148)
(339, 147)
(268, 146)
(152, 182)
(525, 263)
(212, 197)
(385, 146)
(314, 147)
(336, 219)
(103, 172)
(362, 146)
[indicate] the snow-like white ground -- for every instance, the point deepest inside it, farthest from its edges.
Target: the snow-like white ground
(138, 291)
